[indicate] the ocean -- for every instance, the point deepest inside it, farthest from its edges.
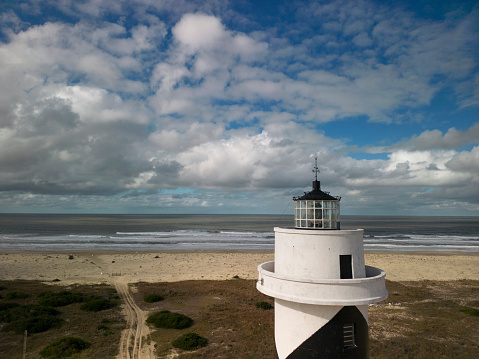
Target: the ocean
(48, 232)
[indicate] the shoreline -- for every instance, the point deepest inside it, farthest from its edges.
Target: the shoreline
(252, 251)
(170, 266)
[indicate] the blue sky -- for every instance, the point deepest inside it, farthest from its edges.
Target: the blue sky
(147, 106)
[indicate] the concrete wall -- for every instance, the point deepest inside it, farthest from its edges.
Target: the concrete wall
(314, 254)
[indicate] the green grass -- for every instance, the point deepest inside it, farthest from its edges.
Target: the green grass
(64, 348)
(190, 341)
(168, 320)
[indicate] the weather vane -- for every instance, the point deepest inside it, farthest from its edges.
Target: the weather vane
(315, 168)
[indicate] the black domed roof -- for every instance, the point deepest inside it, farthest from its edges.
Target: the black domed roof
(316, 195)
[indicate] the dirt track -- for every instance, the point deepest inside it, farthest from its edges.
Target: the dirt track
(131, 344)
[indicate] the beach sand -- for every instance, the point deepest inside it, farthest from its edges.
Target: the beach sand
(98, 267)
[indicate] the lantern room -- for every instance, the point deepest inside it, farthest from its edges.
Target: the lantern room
(317, 209)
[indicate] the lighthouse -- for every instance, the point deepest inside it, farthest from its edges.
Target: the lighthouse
(320, 283)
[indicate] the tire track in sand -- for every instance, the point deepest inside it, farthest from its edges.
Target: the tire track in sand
(136, 327)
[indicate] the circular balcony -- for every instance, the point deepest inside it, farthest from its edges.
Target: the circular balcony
(345, 292)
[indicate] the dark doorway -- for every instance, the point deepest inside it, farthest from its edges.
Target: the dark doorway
(345, 266)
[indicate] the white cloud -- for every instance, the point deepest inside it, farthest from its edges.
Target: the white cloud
(199, 31)
(465, 161)
(435, 139)
(98, 105)
(362, 40)
(172, 95)
(173, 140)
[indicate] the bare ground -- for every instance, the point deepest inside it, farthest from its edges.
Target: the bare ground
(131, 343)
(420, 319)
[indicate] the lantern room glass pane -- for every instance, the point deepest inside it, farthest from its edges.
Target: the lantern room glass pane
(317, 214)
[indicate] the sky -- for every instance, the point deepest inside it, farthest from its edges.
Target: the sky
(216, 106)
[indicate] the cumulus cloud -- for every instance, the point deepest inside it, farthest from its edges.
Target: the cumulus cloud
(169, 102)
(436, 139)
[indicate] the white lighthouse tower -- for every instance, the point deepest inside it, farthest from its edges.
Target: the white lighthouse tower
(320, 283)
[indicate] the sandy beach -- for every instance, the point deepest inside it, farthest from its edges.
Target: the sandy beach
(97, 267)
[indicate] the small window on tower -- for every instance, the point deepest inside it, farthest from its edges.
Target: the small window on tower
(345, 267)
(349, 336)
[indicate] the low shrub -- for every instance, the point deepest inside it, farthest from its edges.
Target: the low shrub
(64, 347)
(97, 305)
(152, 298)
(8, 305)
(60, 299)
(166, 320)
(471, 311)
(16, 295)
(17, 312)
(264, 305)
(114, 296)
(34, 325)
(190, 341)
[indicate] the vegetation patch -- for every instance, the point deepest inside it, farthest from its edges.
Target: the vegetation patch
(97, 305)
(168, 320)
(471, 311)
(7, 305)
(64, 347)
(16, 295)
(16, 312)
(152, 298)
(60, 299)
(264, 305)
(34, 325)
(74, 321)
(190, 341)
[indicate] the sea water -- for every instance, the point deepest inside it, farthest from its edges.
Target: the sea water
(223, 232)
